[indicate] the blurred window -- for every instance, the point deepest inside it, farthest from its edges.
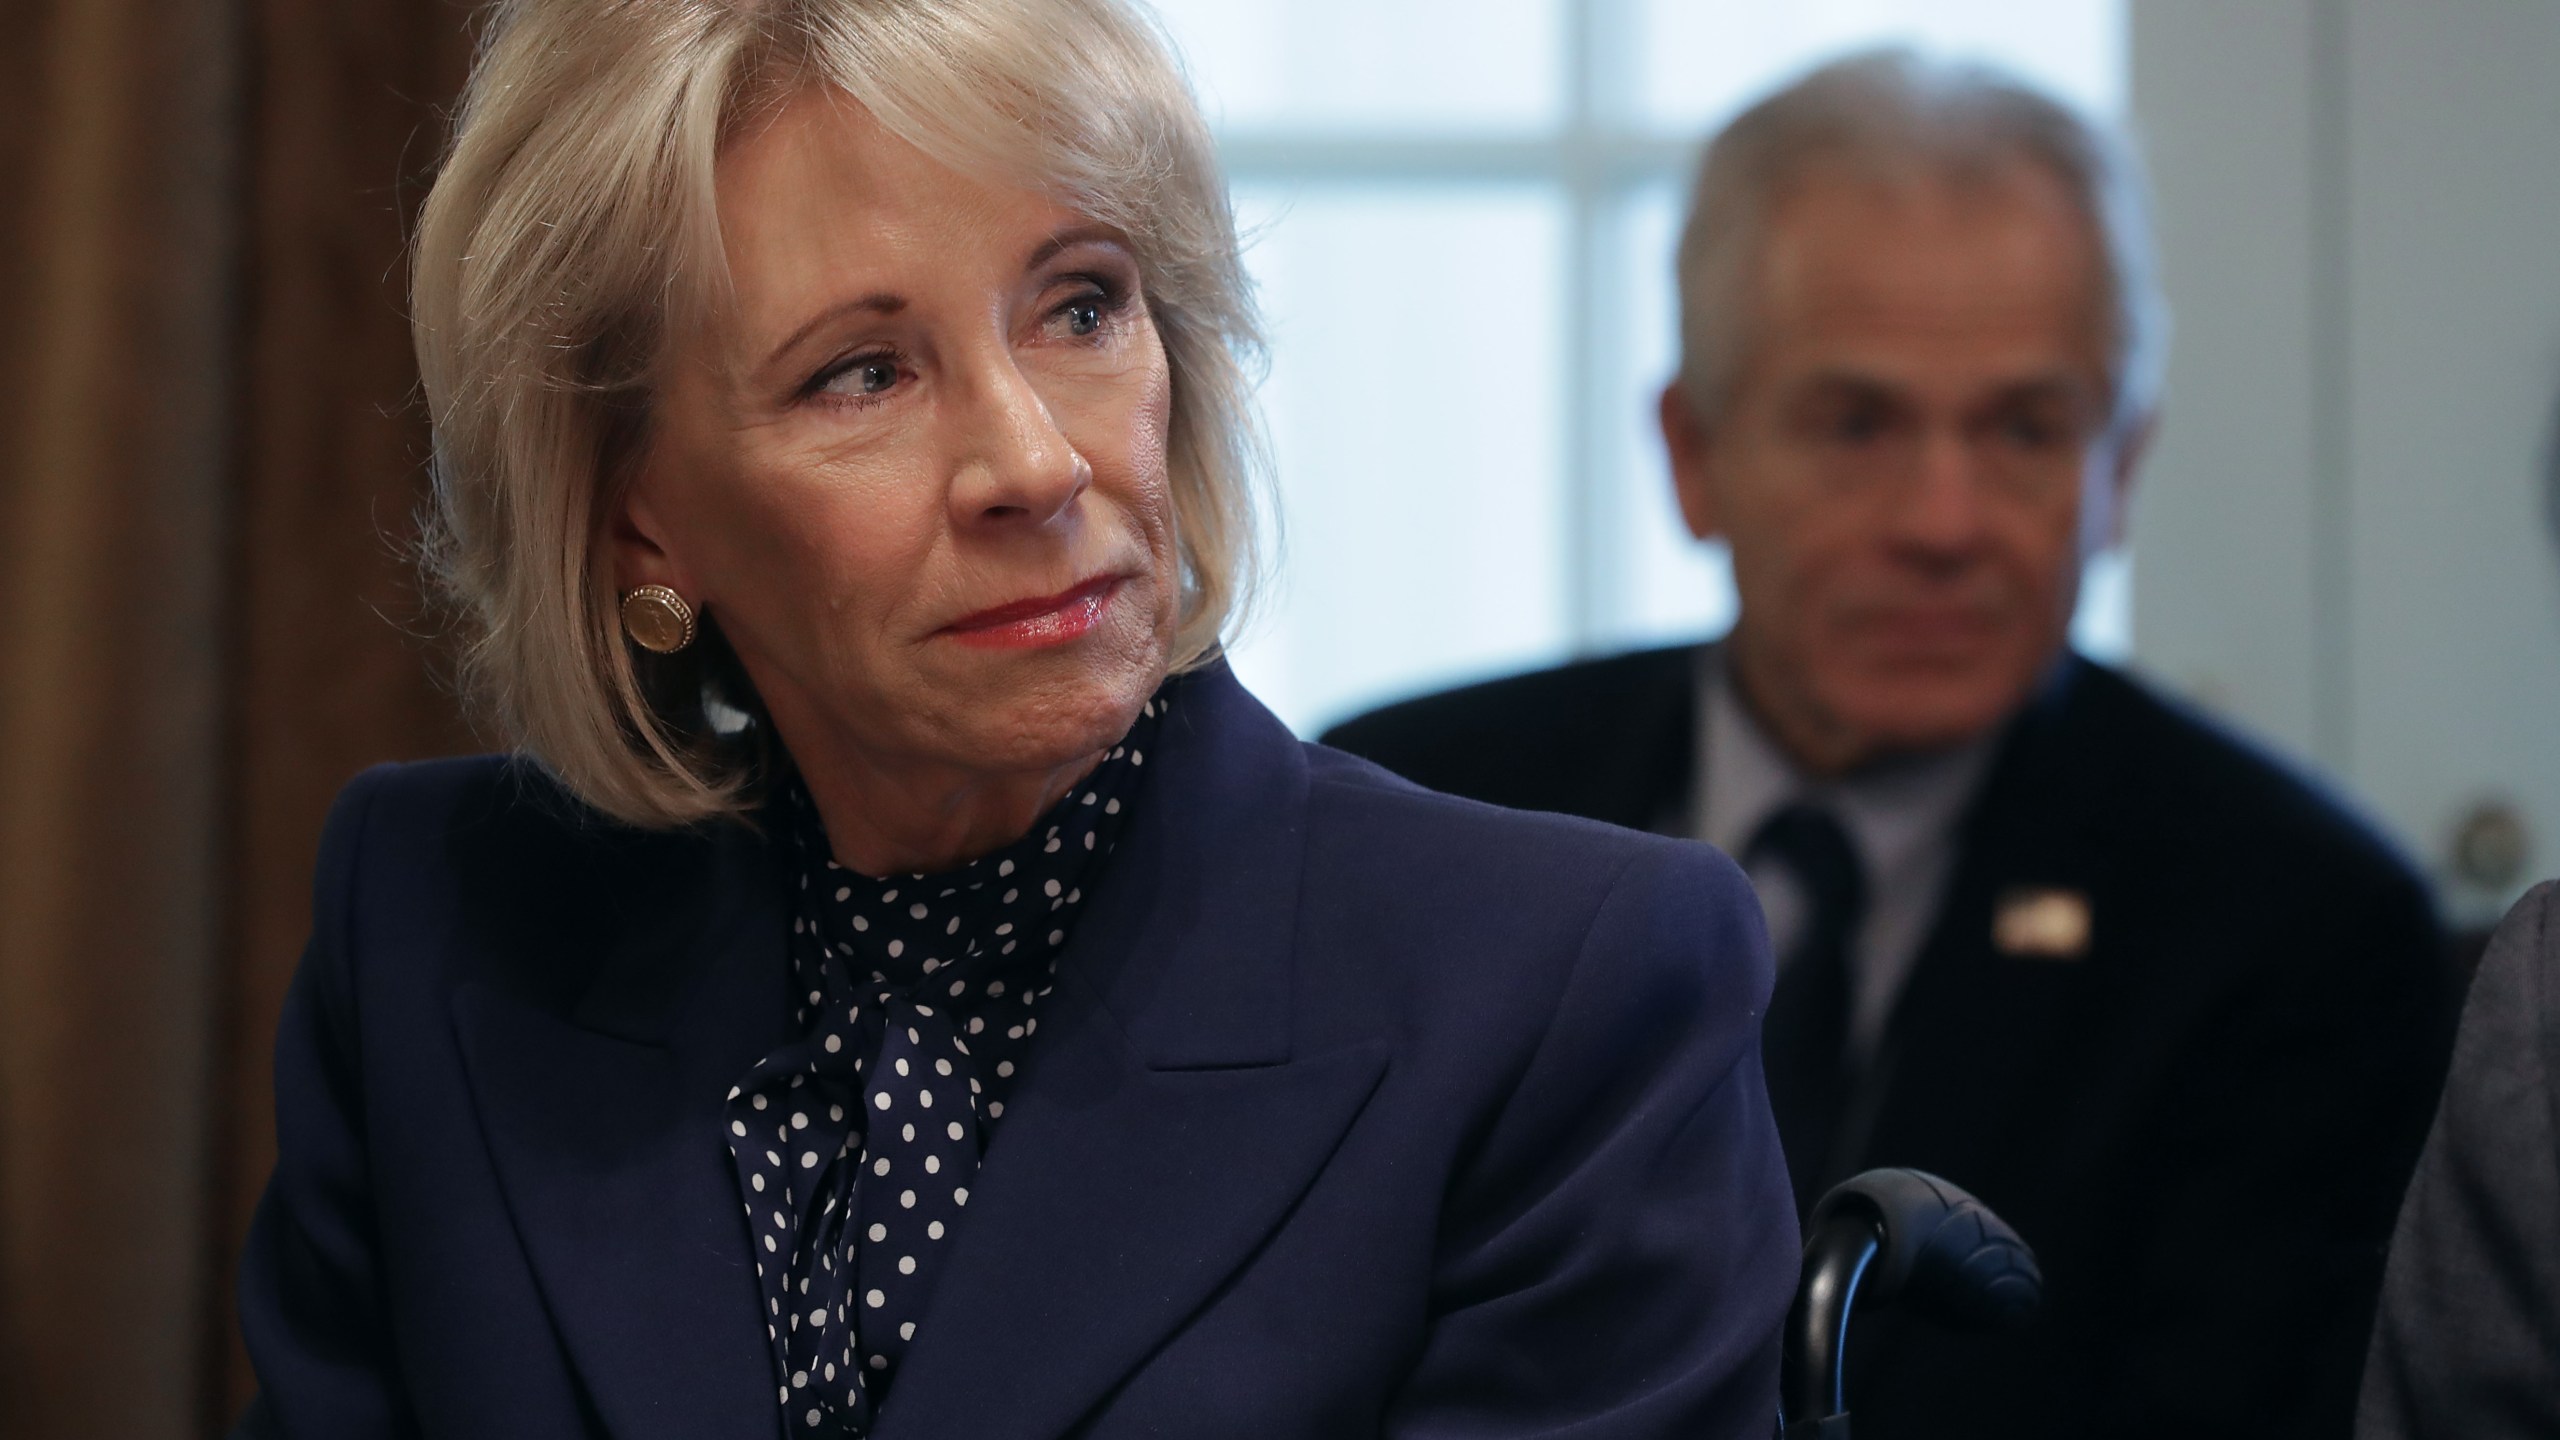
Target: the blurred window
(1460, 215)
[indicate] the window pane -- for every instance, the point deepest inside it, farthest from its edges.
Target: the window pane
(2102, 628)
(1335, 65)
(1667, 587)
(1416, 413)
(1703, 59)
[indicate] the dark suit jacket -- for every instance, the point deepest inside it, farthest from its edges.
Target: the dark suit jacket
(1357, 1110)
(2202, 1124)
(2468, 1345)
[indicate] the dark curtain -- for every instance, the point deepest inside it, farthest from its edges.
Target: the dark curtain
(210, 455)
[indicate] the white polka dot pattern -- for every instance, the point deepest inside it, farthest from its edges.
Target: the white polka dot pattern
(855, 1146)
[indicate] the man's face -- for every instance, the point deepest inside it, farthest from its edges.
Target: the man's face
(1914, 460)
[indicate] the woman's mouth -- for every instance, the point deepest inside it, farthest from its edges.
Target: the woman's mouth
(1041, 621)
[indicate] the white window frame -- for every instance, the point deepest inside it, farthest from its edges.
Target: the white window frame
(1597, 160)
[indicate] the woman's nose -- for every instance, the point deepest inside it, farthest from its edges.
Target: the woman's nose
(1016, 465)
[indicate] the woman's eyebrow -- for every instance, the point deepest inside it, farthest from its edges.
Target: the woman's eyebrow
(1071, 237)
(885, 303)
(877, 303)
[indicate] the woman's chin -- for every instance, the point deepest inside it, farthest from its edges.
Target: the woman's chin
(1044, 710)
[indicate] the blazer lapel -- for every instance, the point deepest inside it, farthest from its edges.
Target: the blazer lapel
(605, 1128)
(1115, 1201)
(1165, 1126)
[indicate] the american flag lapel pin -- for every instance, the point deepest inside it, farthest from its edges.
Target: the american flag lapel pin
(2041, 923)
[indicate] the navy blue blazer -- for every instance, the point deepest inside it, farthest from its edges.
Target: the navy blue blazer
(1358, 1110)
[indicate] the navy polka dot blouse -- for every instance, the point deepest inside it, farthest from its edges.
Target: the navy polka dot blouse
(916, 1000)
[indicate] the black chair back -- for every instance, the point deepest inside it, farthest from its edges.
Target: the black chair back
(1893, 1237)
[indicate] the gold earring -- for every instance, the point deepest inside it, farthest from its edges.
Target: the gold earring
(657, 619)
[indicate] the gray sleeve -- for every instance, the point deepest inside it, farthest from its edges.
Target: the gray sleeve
(2468, 1340)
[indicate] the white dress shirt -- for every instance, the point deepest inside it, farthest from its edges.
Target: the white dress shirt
(1902, 816)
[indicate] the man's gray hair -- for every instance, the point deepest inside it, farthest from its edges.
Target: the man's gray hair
(1897, 116)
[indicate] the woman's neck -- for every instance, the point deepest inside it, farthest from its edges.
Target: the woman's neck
(924, 819)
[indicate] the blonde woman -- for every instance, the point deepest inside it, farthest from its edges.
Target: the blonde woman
(899, 983)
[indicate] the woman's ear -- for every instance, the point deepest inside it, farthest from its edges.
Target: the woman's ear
(1691, 448)
(637, 540)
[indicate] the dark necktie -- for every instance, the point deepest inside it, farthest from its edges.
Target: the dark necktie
(1805, 1039)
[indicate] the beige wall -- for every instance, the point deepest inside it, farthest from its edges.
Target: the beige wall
(2343, 542)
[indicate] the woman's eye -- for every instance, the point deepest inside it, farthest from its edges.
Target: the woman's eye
(864, 377)
(1084, 316)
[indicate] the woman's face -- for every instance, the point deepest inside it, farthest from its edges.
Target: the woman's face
(916, 467)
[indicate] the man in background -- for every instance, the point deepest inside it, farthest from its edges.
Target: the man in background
(2164, 1005)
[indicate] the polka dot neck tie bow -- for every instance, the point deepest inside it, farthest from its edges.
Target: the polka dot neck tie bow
(856, 1144)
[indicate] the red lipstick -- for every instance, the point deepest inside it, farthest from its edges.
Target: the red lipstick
(1031, 624)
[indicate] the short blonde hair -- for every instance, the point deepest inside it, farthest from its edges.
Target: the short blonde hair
(573, 222)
